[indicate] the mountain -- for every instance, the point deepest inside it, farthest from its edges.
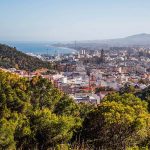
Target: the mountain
(134, 40)
(12, 58)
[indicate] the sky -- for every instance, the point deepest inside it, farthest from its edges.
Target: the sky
(67, 20)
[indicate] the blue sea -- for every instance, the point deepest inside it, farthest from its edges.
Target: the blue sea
(40, 48)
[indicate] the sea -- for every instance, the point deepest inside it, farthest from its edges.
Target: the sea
(39, 48)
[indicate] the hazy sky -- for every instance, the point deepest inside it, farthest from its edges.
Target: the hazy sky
(62, 20)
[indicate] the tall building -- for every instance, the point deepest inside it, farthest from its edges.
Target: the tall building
(102, 56)
(83, 52)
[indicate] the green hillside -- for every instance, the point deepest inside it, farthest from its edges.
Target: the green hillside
(12, 58)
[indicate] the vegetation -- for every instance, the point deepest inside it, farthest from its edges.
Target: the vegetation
(11, 58)
(127, 88)
(121, 121)
(145, 95)
(35, 115)
(99, 89)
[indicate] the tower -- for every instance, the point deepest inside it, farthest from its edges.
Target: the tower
(102, 56)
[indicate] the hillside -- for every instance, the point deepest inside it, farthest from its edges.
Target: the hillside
(142, 39)
(12, 58)
(134, 40)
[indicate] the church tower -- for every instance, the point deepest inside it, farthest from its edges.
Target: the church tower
(102, 56)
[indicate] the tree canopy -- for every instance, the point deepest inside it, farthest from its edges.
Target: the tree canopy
(34, 114)
(120, 121)
(12, 58)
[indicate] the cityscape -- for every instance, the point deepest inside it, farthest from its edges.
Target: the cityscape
(80, 74)
(75, 75)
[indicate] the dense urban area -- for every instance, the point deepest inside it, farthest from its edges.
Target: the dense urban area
(89, 75)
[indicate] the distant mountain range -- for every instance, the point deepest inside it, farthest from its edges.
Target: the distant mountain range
(134, 40)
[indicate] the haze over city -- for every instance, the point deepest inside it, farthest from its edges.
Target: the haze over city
(55, 20)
